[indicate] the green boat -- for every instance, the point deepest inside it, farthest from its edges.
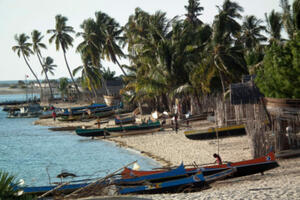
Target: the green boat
(212, 133)
(106, 131)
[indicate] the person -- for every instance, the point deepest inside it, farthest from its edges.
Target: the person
(98, 122)
(176, 123)
(218, 159)
(54, 115)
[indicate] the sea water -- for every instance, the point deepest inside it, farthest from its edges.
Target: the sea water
(37, 155)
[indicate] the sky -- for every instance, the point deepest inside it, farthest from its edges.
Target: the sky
(19, 16)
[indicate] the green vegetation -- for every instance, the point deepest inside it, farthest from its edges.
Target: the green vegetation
(279, 78)
(7, 188)
(182, 56)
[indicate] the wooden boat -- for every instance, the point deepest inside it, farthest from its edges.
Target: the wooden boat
(132, 132)
(127, 120)
(106, 131)
(244, 168)
(234, 130)
(197, 181)
(38, 190)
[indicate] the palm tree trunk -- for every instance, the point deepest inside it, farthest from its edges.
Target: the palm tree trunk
(121, 68)
(76, 87)
(33, 75)
(220, 74)
(46, 75)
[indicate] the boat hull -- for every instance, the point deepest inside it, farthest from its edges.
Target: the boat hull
(211, 132)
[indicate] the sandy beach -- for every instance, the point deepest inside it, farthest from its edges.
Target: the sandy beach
(170, 148)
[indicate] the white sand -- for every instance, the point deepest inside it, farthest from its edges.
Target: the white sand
(170, 148)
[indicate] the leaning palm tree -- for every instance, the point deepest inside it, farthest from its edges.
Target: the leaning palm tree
(48, 67)
(111, 32)
(63, 40)
(37, 45)
(23, 48)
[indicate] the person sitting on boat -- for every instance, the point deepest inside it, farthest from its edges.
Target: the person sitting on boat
(218, 159)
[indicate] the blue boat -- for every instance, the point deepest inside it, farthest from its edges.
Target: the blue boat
(126, 120)
(192, 182)
(175, 173)
(38, 190)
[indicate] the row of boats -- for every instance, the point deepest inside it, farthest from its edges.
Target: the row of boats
(167, 180)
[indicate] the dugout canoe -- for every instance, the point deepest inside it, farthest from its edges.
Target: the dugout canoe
(211, 133)
(182, 184)
(244, 168)
(106, 131)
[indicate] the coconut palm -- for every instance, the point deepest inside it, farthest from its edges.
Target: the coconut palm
(290, 18)
(228, 57)
(23, 48)
(63, 40)
(274, 25)
(48, 67)
(193, 11)
(112, 39)
(251, 32)
(91, 76)
(37, 45)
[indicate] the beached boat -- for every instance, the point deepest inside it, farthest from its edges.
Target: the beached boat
(195, 181)
(39, 190)
(126, 120)
(234, 130)
(106, 131)
(244, 168)
(161, 176)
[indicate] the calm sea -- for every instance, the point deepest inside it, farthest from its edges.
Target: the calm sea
(28, 152)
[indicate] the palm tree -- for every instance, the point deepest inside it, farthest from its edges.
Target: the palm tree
(251, 32)
(37, 45)
(291, 19)
(63, 40)
(193, 11)
(48, 66)
(23, 48)
(228, 57)
(8, 187)
(111, 32)
(274, 25)
(91, 76)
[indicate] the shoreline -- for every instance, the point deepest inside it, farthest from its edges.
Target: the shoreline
(168, 148)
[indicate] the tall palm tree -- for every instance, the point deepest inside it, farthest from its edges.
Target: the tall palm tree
(37, 45)
(48, 67)
(274, 25)
(23, 48)
(112, 40)
(63, 40)
(228, 57)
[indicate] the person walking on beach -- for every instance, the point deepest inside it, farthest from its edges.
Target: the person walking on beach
(54, 115)
(218, 159)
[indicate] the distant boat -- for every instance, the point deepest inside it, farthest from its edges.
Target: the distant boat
(126, 120)
(105, 131)
(211, 133)
(195, 181)
(244, 168)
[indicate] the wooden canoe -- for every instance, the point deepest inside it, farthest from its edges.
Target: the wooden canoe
(211, 133)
